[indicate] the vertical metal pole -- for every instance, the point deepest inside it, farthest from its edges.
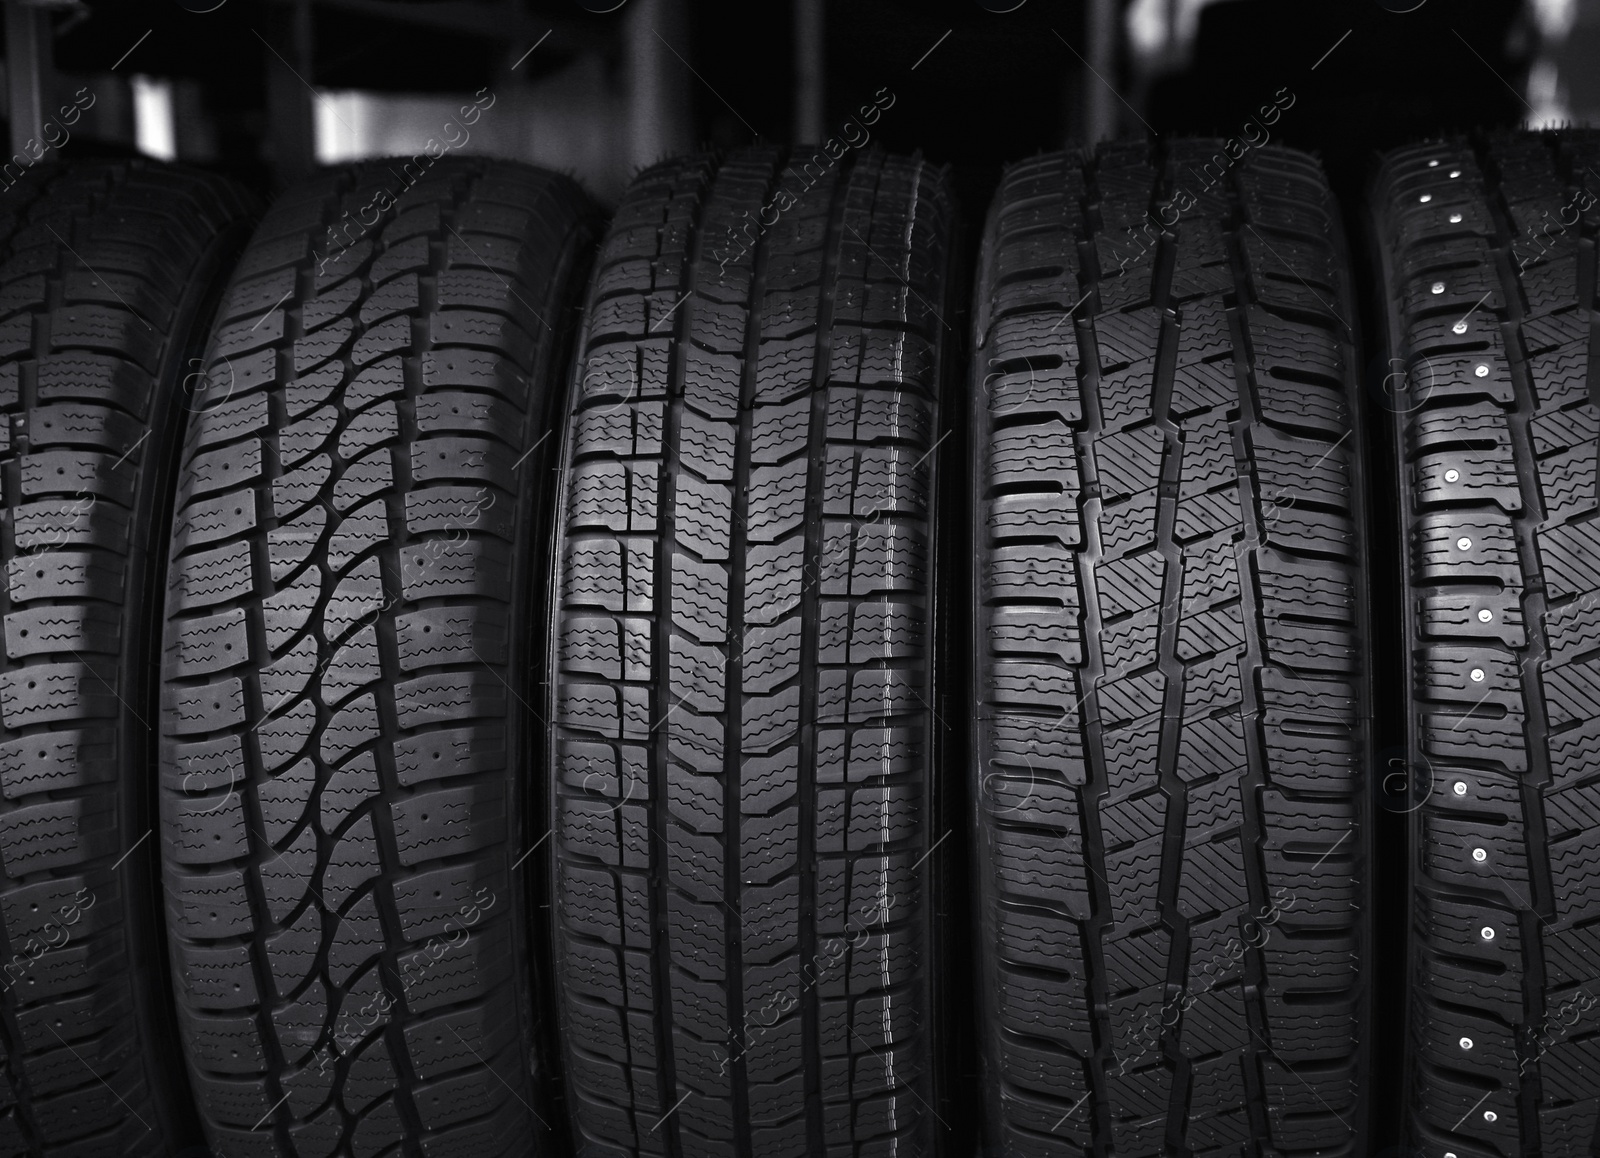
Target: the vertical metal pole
(110, 118)
(809, 71)
(1099, 102)
(659, 53)
(291, 127)
(194, 130)
(30, 76)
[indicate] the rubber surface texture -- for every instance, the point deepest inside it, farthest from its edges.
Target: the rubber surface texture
(108, 275)
(1172, 719)
(352, 611)
(742, 696)
(1489, 258)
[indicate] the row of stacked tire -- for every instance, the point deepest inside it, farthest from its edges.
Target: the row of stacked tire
(477, 686)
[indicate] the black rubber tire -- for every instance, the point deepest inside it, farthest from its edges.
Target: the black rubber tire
(351, 618)
(1171, 686)
(1488, 260)
(743, 882)
(109, 274)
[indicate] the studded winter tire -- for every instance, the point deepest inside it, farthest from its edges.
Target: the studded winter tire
(1487, 254)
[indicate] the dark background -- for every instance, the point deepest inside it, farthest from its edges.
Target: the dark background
(976, 84)
(1000, 86)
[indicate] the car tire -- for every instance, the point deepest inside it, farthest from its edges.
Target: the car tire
(1169, 757)
(1487, 256)
(109, 275)
(349, 751)
(746, 718)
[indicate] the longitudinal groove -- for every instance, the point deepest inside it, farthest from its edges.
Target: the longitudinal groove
(816, 479)
(1535, 652)
(1538, 899)
(1094, 1109)
(1253, 512)
(1488, 266)
(733, 690)
(660, 885)
(1164, 259)
(1171, 721)
(277, 1115)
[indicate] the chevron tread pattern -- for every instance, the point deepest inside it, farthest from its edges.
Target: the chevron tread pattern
(1171, 716)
